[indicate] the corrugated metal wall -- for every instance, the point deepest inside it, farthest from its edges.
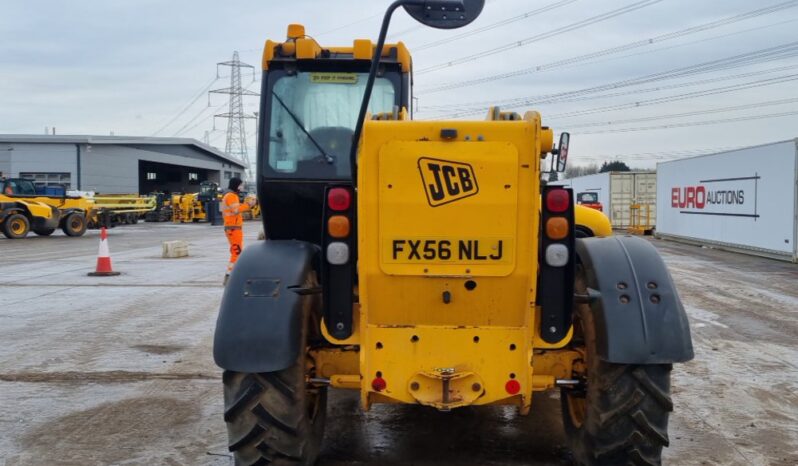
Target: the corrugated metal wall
(104, 168)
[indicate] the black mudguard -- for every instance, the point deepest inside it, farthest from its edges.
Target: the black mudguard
(638, 314)
(259, 327)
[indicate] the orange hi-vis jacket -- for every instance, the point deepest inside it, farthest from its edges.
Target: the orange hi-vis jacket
(231, 210)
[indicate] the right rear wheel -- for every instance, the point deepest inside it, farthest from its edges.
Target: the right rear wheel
(621, 415)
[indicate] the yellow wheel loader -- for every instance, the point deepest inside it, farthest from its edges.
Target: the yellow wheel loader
(424, 262)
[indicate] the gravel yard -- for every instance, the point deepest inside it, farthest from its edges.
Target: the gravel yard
(118, 370)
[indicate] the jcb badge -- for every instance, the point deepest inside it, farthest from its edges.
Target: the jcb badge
(446, 181)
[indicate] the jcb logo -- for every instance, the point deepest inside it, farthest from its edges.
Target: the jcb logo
(446, 181)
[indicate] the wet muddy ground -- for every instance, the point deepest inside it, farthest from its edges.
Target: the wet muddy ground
(119, 370)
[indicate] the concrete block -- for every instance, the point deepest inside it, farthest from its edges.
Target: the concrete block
(174, 249)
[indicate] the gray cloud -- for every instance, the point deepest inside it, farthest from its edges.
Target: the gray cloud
(130, 66)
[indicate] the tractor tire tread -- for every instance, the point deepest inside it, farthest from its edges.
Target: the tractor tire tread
(632, 417)
(271, 420)
(244, 398)
(281, 386)
(264, 420)
(658, 394)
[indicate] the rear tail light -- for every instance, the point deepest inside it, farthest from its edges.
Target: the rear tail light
(512, 386)
(337, 253)
(557, 228)
(557, 200)
(339, 199)
(556, 255)
(379, 384)
(338, 226)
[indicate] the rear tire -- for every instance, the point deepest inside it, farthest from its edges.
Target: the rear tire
(16, 226)
(74, 224)
(276, 418)
(622, 415)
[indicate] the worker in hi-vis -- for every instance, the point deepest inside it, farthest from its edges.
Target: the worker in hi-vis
(233, 221)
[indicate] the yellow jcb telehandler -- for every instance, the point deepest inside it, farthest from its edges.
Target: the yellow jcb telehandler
(424, 262)
(70, 213)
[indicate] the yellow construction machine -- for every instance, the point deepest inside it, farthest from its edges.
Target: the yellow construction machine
(74, 212)
(424, 262)
(195, 207)
(19, 216)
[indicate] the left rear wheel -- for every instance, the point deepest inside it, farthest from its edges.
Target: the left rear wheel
(277, 418)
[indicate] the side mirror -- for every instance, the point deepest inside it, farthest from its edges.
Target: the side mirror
(445, 14)
(562, 151)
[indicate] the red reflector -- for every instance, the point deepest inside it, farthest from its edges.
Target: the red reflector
(512, 387)
(379, 384)
(557, 200)
(339, 199)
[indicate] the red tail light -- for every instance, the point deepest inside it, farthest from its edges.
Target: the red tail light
(557, 200)
(378, 384)
(512, 386)
(339, 199)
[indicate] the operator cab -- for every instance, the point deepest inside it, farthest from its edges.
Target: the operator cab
(310, 97)
(17, 187)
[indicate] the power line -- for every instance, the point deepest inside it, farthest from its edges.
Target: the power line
(186, 128)
(236, 143)
(620, 48)
(538, 37)
(689, 95)
(664, 155)
(659, 88)
(504, 22)
(185, 109)
(768, 103)
(692, 123)
(779, 52)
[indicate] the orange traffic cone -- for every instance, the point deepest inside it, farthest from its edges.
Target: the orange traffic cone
(103, 258)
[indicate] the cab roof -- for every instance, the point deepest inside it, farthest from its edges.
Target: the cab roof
(298, 47)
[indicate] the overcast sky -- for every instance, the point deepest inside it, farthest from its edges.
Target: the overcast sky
(130, 67)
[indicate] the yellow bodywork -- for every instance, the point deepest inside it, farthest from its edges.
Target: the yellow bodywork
(446, 314)
(593, 220)
(187, 208)
(65, 203)
(454, 325)
(34, 207)
(125, 203)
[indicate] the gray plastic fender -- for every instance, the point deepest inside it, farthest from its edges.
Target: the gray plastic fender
(259, 327)
(638, 314)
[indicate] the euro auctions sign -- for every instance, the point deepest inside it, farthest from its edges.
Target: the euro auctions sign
(743, 198)
(735, 197)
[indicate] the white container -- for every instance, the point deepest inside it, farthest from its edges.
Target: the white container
(744, 199)
(617, 191)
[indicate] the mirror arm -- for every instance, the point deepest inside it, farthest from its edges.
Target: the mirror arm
(375, 62)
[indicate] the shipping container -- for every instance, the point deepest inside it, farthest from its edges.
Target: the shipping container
(618, 191)
(744, 199)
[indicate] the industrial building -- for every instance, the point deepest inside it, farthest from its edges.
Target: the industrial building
(115, 164)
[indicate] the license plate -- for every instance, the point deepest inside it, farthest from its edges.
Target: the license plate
(448, 250)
